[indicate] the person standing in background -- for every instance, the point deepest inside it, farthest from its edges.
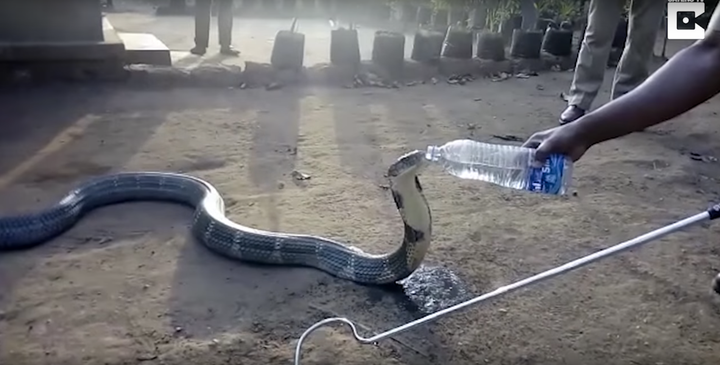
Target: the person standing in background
(633, 68)
(202, 27)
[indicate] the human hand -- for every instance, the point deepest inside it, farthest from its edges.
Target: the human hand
(565, 140)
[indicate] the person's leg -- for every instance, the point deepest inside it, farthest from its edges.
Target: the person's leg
(202, 26)
(225, 24)
(633, 68)
(603, 17)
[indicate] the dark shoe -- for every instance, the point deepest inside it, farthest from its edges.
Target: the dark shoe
(198, 50)
(229, 51)
(571, 114)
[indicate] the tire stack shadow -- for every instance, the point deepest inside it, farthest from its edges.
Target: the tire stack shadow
(213, 295)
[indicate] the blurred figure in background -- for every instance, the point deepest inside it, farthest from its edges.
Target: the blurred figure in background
(633, 68)
(202, 26)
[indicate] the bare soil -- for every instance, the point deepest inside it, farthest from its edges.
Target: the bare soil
(128, 285)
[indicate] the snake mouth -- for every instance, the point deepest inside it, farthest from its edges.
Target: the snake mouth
(409, 164)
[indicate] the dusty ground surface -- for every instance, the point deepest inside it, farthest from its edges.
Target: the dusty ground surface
(128, 286)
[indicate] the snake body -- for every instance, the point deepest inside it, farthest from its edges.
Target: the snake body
(212, 228)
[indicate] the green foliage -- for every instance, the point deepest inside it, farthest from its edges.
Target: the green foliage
(449, 3)
(499, 11)
(561, 9)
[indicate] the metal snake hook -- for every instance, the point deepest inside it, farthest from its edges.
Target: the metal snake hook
(710, 214)
(325, 322)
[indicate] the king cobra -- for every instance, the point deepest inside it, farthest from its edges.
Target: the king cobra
(211, 227)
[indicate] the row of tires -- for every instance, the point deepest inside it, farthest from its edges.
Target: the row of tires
(428, 46)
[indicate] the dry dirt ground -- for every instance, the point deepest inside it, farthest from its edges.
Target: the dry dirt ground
(128, 286)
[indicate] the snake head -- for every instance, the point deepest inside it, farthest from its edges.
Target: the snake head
(409, 164)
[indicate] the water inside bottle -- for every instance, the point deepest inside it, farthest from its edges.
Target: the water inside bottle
(498, 164)
(509, 177)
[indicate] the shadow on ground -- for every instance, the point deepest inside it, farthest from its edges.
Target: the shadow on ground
(212, 296)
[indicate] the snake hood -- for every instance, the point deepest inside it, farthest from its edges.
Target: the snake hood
(408, 195)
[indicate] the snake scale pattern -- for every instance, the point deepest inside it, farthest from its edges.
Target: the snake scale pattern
(219, 234)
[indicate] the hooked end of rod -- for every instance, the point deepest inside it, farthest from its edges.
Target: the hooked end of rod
(325, 322)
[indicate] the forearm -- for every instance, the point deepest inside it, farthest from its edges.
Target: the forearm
(690, 78)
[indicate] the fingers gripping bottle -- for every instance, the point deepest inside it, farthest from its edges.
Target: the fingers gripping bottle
(505, 165)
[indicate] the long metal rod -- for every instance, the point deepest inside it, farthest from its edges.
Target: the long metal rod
(648, 237)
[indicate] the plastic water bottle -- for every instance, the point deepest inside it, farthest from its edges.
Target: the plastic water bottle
(505, 165)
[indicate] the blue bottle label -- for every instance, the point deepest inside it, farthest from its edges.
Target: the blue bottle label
(547, 179)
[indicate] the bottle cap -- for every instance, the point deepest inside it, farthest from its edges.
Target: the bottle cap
(433, 153)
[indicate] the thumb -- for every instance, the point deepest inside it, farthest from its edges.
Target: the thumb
(534, 141)
(542, 152)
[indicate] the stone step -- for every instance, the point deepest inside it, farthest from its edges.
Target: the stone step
(145, 48)
(109, 47)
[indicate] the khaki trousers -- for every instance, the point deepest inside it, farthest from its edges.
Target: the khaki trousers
(202, 22)
(633, 68)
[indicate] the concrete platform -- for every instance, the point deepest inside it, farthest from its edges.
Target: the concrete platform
(45, 60)
(50, 21)
(109, 47)
(145, 48)
(96, 58)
